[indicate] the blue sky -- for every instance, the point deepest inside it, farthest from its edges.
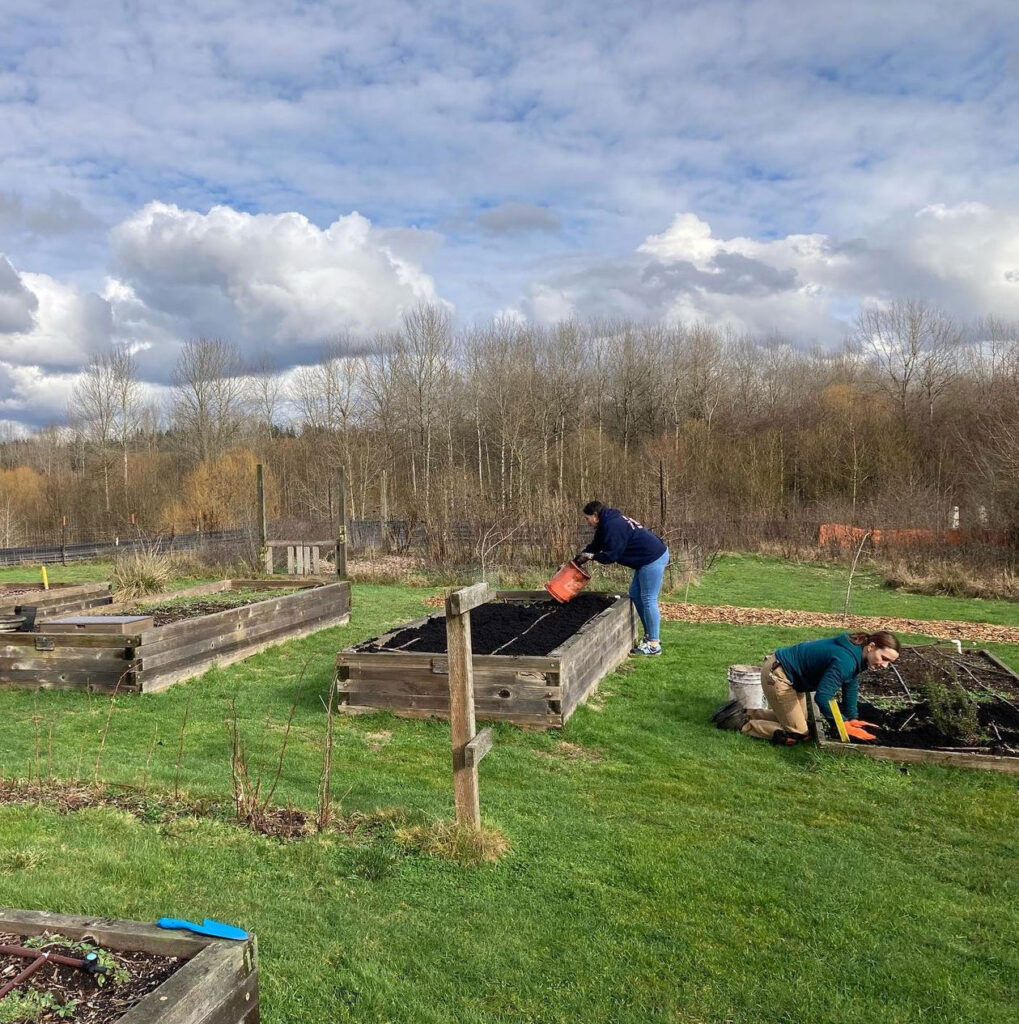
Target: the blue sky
(278, 172)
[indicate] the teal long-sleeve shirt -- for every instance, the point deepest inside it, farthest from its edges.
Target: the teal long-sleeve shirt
(825, 667)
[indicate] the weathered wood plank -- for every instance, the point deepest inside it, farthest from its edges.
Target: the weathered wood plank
(461, 601)
(527, 721)
(196, 990)
(115, 934)
(460, 677)
(66, 659)
(910, 755)
(55, 679)
(478, 747)
(12, 642)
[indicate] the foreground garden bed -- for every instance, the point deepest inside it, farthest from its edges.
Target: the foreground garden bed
(534, 661)
(173, 976)
(938, 705)
(84, 653)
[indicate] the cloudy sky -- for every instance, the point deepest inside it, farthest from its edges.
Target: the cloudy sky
(277, 172)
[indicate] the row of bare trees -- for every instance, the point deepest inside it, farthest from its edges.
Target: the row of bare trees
(914, 416)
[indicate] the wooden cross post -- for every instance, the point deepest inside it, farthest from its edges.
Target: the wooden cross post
(264, 551)
(341, 530)
(468, 748)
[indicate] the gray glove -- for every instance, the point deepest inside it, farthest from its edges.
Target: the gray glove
(583, 556)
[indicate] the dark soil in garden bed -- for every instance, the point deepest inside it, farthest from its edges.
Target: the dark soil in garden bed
(504, 628)
(935, 698)
(73, 995)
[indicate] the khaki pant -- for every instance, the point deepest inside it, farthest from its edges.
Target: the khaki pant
(787, 708)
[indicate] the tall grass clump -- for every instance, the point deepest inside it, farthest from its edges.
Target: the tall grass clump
(143, 571)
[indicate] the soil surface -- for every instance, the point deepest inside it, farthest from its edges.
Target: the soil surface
(503, 628)
(95, 1004)
(980, 632)
(896, 700)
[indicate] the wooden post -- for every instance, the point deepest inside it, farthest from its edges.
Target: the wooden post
(461, 701)
(341, 531)
(384, 512)
(63, 540)
(263, 551)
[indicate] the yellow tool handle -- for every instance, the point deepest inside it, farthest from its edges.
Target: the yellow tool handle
(45, 578)
(839, 721)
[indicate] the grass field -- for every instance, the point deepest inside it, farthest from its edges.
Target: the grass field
(757, 581)
(660, 870)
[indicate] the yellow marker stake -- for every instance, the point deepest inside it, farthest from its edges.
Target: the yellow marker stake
(45, 578)
(839, 722)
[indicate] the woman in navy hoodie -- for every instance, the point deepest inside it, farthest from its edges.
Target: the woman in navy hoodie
(618, 538)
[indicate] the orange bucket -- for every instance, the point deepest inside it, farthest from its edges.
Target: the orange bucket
(569, 581)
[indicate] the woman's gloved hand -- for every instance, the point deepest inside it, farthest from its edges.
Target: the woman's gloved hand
(857, 730)
(582, 556)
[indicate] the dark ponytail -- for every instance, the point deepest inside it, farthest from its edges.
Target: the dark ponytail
(882, 638)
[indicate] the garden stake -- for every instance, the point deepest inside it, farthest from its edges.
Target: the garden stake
(839, 723)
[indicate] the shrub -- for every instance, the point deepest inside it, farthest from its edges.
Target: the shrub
(952, 711)
(145, 570)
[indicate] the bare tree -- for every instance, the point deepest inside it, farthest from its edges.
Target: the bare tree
(208, 396)
(106, 408)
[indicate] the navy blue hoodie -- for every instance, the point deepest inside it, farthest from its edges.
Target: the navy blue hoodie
(619, 538)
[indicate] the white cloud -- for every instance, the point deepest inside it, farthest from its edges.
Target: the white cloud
(266, 281)
(963, 258)
(61, 324)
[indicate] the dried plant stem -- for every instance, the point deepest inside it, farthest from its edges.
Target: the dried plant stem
(325, 784)
(148, 760)
(852, 570)
(180, 747)
(106, 729)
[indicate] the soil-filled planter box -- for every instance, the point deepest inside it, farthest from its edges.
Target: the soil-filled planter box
(938, 705)
(406, 671)
(154, 658)
(60, 599)
(217, 983)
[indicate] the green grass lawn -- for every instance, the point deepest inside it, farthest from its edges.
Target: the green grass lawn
(76, 572)
(660, 870)
(757, 581)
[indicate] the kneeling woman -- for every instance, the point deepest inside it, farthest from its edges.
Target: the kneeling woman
(821, 667)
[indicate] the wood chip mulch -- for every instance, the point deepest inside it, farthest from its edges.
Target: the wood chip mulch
(978, 632)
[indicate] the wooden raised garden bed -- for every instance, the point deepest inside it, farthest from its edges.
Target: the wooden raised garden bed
(153, 658)
(534, 661)
(939, 706)
(60, 599)
(216, 983)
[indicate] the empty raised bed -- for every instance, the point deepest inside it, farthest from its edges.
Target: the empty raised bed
(534, 661)
(191, 630)
(190, 979)
(938, 705)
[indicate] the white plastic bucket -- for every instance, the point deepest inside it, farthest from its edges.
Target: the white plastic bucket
(745, 686)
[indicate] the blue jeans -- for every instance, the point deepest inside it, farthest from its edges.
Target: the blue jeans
(644, 591)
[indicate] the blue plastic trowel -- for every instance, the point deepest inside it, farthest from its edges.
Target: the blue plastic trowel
(216, 929)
